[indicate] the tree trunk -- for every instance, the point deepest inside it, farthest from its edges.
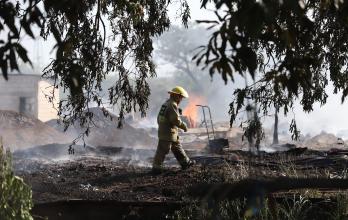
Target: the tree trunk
(275, 131)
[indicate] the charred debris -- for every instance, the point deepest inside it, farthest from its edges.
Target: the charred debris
(112, 180)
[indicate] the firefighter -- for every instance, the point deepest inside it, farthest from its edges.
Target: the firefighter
(168, 120)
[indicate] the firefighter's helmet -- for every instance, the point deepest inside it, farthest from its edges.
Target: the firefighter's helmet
(180, 91)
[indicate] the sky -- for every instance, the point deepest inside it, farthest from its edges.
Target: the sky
(42, 53)
(331, 118)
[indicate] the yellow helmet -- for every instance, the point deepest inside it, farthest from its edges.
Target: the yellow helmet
(180, 91)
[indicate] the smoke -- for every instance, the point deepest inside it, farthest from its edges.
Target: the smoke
(36, 158)
(214, 93)
(136, 157)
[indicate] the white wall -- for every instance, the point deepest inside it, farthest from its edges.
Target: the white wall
(33, 88)
(46, 109)
(18, 86)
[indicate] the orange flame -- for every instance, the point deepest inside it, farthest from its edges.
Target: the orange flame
(191, 110)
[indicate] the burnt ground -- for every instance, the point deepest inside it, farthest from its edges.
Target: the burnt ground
(106, 177)
(100, 178)
(112, 175)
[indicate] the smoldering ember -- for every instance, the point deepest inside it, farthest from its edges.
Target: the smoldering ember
(174, 110)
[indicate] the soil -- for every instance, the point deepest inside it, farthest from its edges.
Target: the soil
(99, 174)
(105, 176)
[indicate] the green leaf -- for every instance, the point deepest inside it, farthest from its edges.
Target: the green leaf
(4, 68)
(26, 25)
(207, 21)
(7, 15)
(344, 95)
(22, 53)
(255, 22)
(249, 58)
(204, 3)
(13, 60)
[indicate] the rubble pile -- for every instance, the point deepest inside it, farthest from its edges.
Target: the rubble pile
(105, 132)
(324, 141)
(197, 138)
(19, 131)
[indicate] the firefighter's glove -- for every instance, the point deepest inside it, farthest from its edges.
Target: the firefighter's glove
(184, 127)
(180, 111)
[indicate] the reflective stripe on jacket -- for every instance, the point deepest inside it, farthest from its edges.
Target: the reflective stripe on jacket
(168, 120)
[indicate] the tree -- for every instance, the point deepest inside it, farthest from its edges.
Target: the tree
(16, 196)
(290, 48)
(177, 48)
(85, 52)
(275, 129)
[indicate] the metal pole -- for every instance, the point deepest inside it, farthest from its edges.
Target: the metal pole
(211, 121)
(205, 121)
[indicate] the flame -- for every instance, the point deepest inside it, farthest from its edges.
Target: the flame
(191, 110)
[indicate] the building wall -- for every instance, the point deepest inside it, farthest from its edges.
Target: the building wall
(16, 88)
(46, 109)
(26, 94)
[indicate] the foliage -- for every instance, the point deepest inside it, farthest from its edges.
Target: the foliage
(93, 39)
(341, 211)
(177, 48)
(15, 196)
(295, 209)
(287, 208)
(10, 16)
(290, 48)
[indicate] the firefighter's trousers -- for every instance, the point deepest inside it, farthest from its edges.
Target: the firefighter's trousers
(163, 148)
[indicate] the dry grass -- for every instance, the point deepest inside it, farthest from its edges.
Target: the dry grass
(291, 205)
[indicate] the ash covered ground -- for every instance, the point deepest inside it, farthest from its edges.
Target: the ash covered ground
(104, 174)
(116, 164)
(100, 177)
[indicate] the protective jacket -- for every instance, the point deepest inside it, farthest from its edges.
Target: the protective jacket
(168, 120)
